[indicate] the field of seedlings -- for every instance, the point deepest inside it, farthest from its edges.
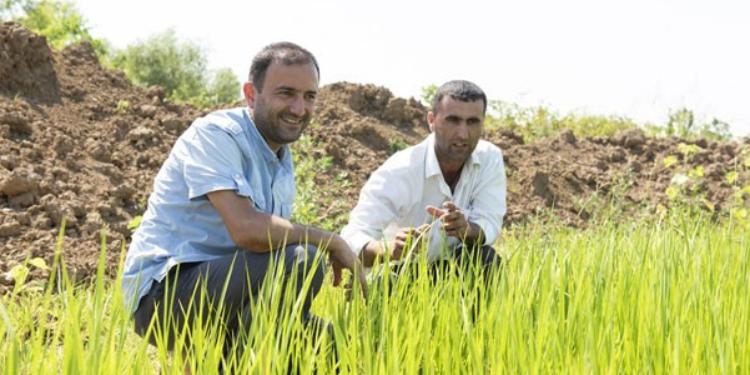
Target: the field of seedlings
(663, 296)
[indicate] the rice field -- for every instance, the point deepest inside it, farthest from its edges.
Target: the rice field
(659, 296)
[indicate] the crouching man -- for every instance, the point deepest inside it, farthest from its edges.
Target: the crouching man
(220, 210)
(449, 190)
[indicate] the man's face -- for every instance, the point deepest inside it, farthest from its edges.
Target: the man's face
(284, 107)
(457, 126)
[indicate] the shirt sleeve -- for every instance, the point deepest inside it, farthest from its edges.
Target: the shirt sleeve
(377, 207)
(213, 162)
(488, 206)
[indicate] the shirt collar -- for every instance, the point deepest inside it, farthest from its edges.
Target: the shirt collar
(432, 167)
(268, 155)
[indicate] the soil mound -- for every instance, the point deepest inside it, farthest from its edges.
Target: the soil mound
(358, 127)
(573, 177)
(26, 64)
(81, 143)
(78, 142)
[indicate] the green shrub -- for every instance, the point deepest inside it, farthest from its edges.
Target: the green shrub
(179, 67)
(59, 21)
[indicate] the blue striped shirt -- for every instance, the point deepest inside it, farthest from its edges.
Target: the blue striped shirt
(221, 151)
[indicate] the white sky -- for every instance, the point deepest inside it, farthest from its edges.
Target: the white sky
(638, 58)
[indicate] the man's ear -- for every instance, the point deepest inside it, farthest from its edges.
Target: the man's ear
(431, 120)
(249, 90)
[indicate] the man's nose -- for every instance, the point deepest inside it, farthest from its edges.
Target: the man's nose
(463, 131)
(297, 107)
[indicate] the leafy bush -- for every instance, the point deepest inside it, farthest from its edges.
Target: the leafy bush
(539, 122)
(59, 21)
(179, 67)
(311, 207)
(682, 124)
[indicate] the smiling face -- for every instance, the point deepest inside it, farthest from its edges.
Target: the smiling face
(283, 108)
(458, 126)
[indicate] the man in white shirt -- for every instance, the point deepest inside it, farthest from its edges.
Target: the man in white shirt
(451, 186)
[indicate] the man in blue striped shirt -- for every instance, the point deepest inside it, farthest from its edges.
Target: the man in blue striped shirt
(221, 206)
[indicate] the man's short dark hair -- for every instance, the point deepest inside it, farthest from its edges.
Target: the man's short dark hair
(464, 91)
(286, 53)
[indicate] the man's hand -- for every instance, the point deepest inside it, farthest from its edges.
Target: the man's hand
(454, 222)
(398, 245)
(341, 256)
(376, 250)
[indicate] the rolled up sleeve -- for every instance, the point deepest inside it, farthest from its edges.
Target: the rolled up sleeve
(489, 207)
(213, 162)
(377, 207)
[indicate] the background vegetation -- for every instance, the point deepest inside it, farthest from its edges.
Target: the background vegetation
(178, 66)
(533, 123)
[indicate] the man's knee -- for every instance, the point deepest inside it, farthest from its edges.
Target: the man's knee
(306, 258)
(490, 256)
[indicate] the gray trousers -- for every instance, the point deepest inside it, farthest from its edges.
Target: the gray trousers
(230, 282)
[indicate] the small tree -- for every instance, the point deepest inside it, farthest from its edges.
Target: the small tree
(224, 86)
(179, 67)
(682, 124)
(59, 21)
(428, 94)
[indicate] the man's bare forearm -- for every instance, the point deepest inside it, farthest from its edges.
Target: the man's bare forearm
(474, 234)
(260, 231)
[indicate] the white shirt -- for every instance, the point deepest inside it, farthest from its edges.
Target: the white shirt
(397, 193)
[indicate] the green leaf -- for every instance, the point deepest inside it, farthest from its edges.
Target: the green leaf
(687, 149)
(711, 207)
(697, 172)
(672, 193)
(135, 223)
(19, 273)
(39, 263)
(670, 161)
(731, 177)
(740, 213)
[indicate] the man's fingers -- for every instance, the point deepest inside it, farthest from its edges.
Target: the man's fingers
(450, 206)
(363, 283)
(336, 273)
(434, 211)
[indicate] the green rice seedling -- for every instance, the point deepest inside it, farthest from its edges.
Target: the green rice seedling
(653, 296)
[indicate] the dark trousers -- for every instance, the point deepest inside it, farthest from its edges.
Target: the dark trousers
(468, 255)
(221, 290)
(465, 256)
(476, 265)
